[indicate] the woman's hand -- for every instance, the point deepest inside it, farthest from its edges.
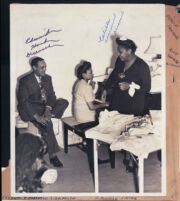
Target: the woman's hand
(124, 86)
(92, 83)
(106, 104)
(47, 114)
(95, 107)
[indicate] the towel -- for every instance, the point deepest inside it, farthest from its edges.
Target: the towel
(132, 88)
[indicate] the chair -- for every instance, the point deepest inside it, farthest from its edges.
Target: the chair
(69, 123)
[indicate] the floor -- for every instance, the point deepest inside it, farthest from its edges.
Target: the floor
(76, 177)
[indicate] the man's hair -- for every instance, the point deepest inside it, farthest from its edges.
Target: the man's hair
(35, 61)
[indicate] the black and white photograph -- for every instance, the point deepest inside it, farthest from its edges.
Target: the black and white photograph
(87, 100)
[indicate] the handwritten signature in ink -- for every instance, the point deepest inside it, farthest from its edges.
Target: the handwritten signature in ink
(101, 38)
(41, 43)
(173, 57)
(32, 39)
(40, 50)
(45, 41)
(172, 26)
(109, 27)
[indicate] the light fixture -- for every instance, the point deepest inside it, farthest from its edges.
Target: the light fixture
(154, 46)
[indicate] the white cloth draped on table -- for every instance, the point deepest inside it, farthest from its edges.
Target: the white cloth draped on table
(140, 146)
(114, 122)
(142, 139)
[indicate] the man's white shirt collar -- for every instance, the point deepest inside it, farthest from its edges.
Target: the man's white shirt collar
(37, 78)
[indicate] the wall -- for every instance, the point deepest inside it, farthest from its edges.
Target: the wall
(77, 29)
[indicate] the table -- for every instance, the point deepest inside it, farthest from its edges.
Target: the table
(154, 144)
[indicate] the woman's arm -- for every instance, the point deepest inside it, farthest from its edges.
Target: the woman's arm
(95, 107)
(112, 78)
(145, 79)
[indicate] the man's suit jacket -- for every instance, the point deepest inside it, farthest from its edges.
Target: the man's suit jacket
(29, 96)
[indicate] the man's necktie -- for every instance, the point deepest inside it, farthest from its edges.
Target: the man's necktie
(43, 91)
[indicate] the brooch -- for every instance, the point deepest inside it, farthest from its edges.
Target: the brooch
(121, 75)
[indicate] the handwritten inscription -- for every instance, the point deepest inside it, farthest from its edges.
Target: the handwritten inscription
(45, 41)
(173, 51)
(172, 20)
(116, 198)
(173, 59)
(174, 65)
(173, 29)
(38, 198)
(172, 55)
(173, 32)
(111, 26)
(101, 38)
(42, 42)
(172, 26)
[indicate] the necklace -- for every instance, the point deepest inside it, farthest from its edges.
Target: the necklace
(121, 75)
(126, 67)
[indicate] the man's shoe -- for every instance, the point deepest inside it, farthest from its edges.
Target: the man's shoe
(56, 162)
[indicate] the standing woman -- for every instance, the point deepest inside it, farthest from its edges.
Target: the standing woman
(129, 82)
(84, 109)
(129, 68)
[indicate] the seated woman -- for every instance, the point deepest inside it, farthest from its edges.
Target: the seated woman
(84, 109)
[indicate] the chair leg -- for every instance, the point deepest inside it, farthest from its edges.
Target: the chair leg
(112, 158)
(90, 154)
(65, 139)
(135, 177)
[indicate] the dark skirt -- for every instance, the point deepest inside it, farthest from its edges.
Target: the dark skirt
(125, 104)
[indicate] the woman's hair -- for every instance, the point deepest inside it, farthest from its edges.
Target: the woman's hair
(82, 69)
(128, 44)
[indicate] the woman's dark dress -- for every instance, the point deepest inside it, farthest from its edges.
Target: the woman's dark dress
(121, 101)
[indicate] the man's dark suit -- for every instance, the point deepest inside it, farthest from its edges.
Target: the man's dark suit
(30, 103)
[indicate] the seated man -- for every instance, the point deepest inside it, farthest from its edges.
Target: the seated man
(37, 103)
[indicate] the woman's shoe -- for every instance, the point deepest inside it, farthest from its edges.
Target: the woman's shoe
(129, 169)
